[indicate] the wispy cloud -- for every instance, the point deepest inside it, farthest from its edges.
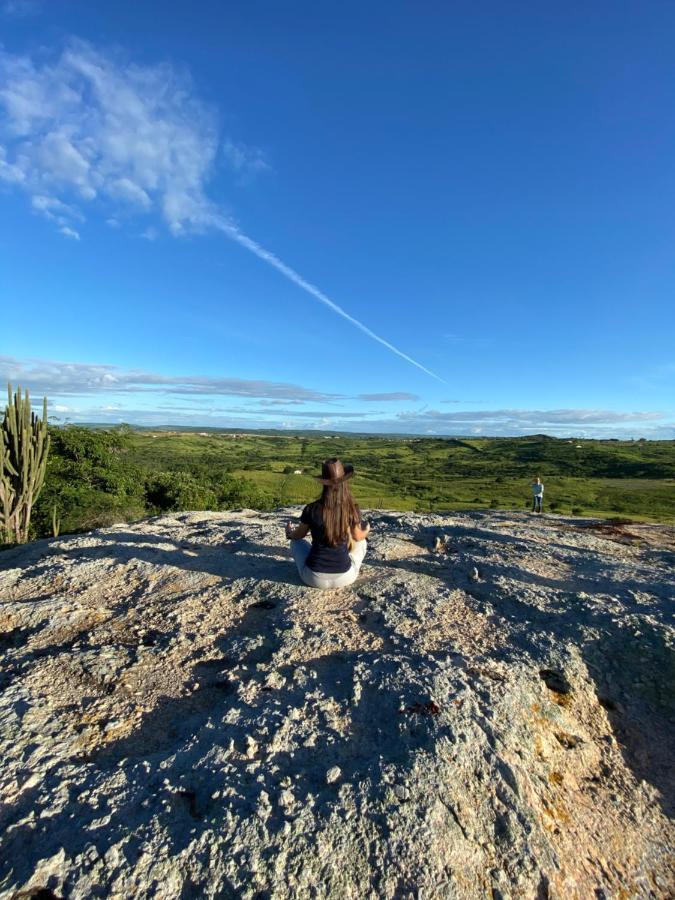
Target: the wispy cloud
(246, 161)
(60, 379)
(73, 379)
(532, 418)
(236, 417)
(654, 378)
(394, 395)
(555, 422)
(233, 232)
(471, 339)
(69, 232)
(89, 127)
(19, 9)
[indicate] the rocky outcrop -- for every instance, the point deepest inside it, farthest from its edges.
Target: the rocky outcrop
(485, 713)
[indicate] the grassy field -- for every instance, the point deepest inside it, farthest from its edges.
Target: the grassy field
(584, 477)
(98, 476)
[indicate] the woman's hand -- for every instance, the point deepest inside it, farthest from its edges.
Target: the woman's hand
(360, 534)
(296, 533)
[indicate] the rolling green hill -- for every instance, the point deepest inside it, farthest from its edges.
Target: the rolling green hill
(97, 476)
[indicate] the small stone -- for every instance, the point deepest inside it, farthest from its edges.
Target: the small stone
(333, 774)
(275, 681)
(90, 853)
(474, 574)
(286, 798)
(402, 793)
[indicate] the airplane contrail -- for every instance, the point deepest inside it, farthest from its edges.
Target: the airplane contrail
(254, 247)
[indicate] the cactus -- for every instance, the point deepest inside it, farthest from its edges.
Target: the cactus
(56, 522)
(24, 445)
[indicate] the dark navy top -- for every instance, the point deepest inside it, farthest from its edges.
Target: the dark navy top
(322, 557)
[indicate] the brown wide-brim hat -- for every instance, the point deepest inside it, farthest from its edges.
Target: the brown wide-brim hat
(333, 472)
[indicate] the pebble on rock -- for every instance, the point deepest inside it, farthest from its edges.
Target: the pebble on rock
(333, 774)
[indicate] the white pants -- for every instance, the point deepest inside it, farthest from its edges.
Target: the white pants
(325, 580)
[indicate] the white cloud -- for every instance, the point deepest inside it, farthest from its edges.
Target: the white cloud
(18, 9)
(60, 379)
(57, 211)
(69, 232)
(245, 161)
(90, 126)
(106, 393)
(534, 418)
(126, 189)
(467, 339)
(10, 172)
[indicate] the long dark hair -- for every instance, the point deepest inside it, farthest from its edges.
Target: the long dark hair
(339, 512)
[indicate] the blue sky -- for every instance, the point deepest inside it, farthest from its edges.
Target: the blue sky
(438, 218)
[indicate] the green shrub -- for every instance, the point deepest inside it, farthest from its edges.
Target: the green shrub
(174, 491)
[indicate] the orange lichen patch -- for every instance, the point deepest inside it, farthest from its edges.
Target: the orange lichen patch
(8, 622)
(539, 717)
(122, 729)
(561, 699)
(89, 740)
(555, 778)
(556, 812)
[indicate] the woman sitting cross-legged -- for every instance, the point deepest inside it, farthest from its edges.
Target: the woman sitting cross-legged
(338, 543)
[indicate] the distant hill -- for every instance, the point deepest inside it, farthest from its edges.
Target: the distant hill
(96, 477)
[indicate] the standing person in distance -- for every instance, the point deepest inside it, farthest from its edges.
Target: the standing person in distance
(338, 545)
(537, 494)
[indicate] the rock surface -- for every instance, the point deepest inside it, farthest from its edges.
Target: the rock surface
(484, 715)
